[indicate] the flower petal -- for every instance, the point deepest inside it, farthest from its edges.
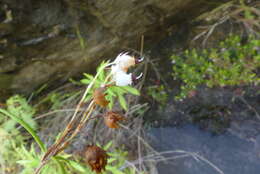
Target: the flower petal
(123, 79)
(124, 61)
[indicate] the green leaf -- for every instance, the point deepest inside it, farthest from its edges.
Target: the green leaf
(102, 75)
(122, 102)
(89, 76)
(85, 81)
(114, 170)
(110, 160)
(108, 145)
(23, 162)
(77, 166)
(111, 101)
(131, 90)
(111, 92)
(118, 90)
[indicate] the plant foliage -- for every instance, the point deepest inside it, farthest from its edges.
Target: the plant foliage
(233, 62)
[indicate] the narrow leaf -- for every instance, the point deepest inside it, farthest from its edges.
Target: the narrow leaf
(122, 102)
(131, 90)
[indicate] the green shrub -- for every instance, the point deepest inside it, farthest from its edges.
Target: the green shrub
(231, 63)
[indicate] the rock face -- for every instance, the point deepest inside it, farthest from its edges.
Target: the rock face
(49, 40)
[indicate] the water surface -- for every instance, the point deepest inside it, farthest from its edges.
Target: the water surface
(231, 152)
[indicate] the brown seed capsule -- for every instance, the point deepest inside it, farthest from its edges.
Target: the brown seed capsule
(96, 158)
(99, 97)
(111, 119)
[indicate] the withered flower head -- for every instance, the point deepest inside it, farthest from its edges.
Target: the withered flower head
(111, 119)
(96, 158)
(99, 97)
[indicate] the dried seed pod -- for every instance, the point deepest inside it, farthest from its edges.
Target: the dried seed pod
(99, 97)
(96, 158)
(111, 119)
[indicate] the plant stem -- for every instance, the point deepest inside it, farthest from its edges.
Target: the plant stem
(63, 141)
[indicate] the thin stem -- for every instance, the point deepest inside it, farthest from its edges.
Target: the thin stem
(86, 92)
(38, 169)
(142, 45)
(85, 117)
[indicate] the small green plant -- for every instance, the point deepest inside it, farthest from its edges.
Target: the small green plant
(232, 63)
(18, 106)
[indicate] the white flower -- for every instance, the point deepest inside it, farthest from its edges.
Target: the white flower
(119, 70)
(122, 79)
(115, 68)
(124, 61)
